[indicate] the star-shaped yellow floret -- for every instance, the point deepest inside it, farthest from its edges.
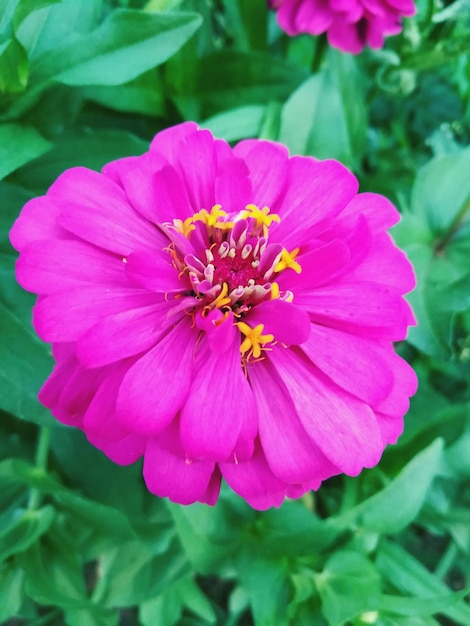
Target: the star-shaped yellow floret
(254, 340)
(287, 260)
(262, 216)
(211, 219)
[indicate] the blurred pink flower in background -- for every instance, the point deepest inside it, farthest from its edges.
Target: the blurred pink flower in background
(350, 25)
(221, 312)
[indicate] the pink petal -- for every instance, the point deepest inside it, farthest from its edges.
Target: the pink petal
(315, 191)
(288, 323)
(155, 272)
(156, 386)
(361, 308)
(319, 266)
(69, 391)
(354, 363)
(37, 220)
(198, 172)
(267, 164)
(405, 385)
(124, 334)
(170, 141)
(169, 475)
(220, 400)
(137, 180)
(384, 259)
(96, 209)
(124, 451)
(291, 454)
(344, 428)
(99, 419)
(232, 185)
(46, 267)
(378, 211)
(67, 315)
(255, 482)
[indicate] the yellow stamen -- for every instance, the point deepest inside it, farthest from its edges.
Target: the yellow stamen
(275, 291)
(254, 340)
(212, 219)
(185, 227)
(262, 216)
(287, 260)
(221, 299)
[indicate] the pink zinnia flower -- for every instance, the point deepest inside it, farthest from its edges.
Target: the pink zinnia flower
(350, 25)
(222, 312)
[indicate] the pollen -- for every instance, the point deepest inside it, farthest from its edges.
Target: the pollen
(287, 261)
(254, 341)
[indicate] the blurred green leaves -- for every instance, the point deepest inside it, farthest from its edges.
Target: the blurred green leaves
(82, 542)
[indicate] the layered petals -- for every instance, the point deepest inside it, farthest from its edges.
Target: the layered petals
(350, 25)
(224, 313)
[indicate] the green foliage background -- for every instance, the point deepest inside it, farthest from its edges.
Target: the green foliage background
(82, 542)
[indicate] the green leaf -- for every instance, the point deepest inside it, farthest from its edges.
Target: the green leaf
(13, 67)
(441, 189)
(91, 616)
(396, 506)
(7, 10)
(420, 606)
(130, 573)
(24, 365)
(82, 147)
(238, 123)
(54, 23)
(127, 44)
(207, 535)
(26, 7)
(230, 79)
(53, 569)
(266, 584)
(408, 575)
(101, 518)
(13, 199)
(142, 95)
(348, 585)
(25, 531)
(11, 590)
(294, 530)
(168, 606)
(331, 107)
(28, 145)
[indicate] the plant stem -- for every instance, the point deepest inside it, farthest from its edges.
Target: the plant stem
(42, 452)
(447, 560)
(453, 227)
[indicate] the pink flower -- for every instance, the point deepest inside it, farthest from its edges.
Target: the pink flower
(222, 312)
(349, 25)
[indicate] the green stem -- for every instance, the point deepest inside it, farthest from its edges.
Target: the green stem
(447, 560)
(453, 227)
(42, 452)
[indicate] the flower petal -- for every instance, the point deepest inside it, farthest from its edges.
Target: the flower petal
(169, 475)
(154, 272)
(254, 481)
(291, 454)
(219, 401)
(288, 323)
(356, 364)
(124, 334)
(156, 386)
(67, 315)
(344, 428)
(46, 267)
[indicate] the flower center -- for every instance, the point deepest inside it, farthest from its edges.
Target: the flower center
(233, 267)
